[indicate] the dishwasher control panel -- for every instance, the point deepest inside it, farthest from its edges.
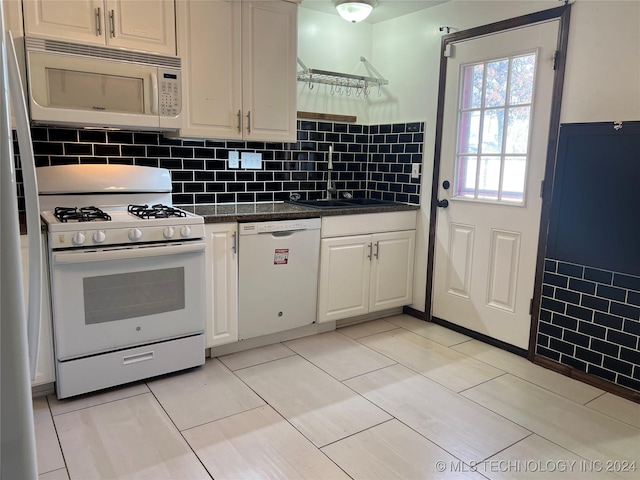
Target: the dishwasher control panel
(279, 226)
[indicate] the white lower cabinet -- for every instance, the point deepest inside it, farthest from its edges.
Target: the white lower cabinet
(45, 372)
(369, 272)
(221, 283)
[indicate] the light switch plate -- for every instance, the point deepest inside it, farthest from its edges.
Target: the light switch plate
(234, 160)
(415, 170)
(251, 160)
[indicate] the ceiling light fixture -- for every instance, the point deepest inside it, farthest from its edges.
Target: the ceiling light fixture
(354, 11)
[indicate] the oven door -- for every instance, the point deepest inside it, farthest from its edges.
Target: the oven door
(121, 297)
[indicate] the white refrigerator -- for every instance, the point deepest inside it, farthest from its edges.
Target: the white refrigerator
(19, 332)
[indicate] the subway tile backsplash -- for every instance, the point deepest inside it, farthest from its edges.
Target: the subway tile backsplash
(590, 320)
(369, 161)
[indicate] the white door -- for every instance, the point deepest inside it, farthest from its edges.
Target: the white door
(77, 20)
(269, 46)
(345, 270)
(147, 25)
(209, 43)
(496, 122)
(392, 270)
(221, 284)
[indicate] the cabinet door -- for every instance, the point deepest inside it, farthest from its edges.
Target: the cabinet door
(221, 284)
(345, 267)
(147, 25)
(392, 270)
(269, 50)
(73, 20)
(209, 36)
(45, 372)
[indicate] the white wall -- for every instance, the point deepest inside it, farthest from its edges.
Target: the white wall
(327, 42)
(602, 81)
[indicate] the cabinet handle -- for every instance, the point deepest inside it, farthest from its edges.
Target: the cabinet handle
(370, 250)
(249, 121)
(377, 250)
(112, 24)
(234, 240)
(98, 23)
(239, 121)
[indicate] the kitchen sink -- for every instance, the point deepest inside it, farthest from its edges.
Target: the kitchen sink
(345, 203)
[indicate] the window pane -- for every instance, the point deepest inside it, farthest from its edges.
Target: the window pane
(492, 130)
(513, 180)
(466, 177)
(496, 87)
(489, 178)
(468, 131)
(518, 130)
(522, 75)
(472, 86)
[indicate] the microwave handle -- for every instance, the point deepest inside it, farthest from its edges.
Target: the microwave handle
(154, 93)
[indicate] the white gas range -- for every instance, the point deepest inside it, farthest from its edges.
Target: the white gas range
(127, 275)
(90, 226)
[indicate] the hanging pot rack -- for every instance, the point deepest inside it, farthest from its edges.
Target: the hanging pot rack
(343, 83)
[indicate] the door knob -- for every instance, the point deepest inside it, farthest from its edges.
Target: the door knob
(442, 203)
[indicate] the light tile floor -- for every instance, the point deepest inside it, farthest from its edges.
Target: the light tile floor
(391, 398)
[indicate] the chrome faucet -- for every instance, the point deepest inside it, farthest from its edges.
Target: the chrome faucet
(331, 189)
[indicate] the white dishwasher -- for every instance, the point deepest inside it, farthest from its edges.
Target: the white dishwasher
(278, 275)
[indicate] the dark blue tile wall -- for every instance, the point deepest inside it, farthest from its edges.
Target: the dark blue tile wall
(590, 320)
(369, 161)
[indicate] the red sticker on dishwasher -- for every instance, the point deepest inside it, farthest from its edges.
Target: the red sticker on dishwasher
(281, 256)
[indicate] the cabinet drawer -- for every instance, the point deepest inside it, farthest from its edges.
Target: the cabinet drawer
(368, 223)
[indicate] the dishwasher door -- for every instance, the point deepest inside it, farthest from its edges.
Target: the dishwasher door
(278, 276)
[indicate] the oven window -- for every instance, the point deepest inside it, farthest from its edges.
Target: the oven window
(129, 295)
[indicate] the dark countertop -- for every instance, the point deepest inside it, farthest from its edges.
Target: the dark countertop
(252, 212)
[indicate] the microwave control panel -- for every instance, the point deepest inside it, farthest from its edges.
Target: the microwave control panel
(170, 92)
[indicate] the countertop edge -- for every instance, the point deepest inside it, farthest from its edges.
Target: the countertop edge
(299, 212)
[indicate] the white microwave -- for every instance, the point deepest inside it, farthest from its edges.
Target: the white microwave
(79, 85)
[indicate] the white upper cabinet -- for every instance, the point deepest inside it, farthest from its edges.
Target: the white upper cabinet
(145, 25)
(239, 69)
(269, 52)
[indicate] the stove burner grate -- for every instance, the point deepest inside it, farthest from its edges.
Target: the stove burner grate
(83, 214)
(155, 211)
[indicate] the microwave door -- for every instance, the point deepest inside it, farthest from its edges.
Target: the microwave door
(67, 90)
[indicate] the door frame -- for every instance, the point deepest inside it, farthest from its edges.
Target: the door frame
(563, 14)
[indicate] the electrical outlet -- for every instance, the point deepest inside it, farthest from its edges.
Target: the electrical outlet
(251, 160)
(234, 160)
(415, 170)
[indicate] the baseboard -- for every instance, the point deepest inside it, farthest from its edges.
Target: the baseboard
(581, 376)
(483, 338)
(416, 313)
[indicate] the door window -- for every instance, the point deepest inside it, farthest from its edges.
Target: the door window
(494, 120)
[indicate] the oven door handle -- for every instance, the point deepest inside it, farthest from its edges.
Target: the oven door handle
(61, 258)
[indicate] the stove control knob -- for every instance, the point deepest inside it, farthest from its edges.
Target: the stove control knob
(78, 238)
(135, 234)
(99, 236)
(169, 232)
(185, 231)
